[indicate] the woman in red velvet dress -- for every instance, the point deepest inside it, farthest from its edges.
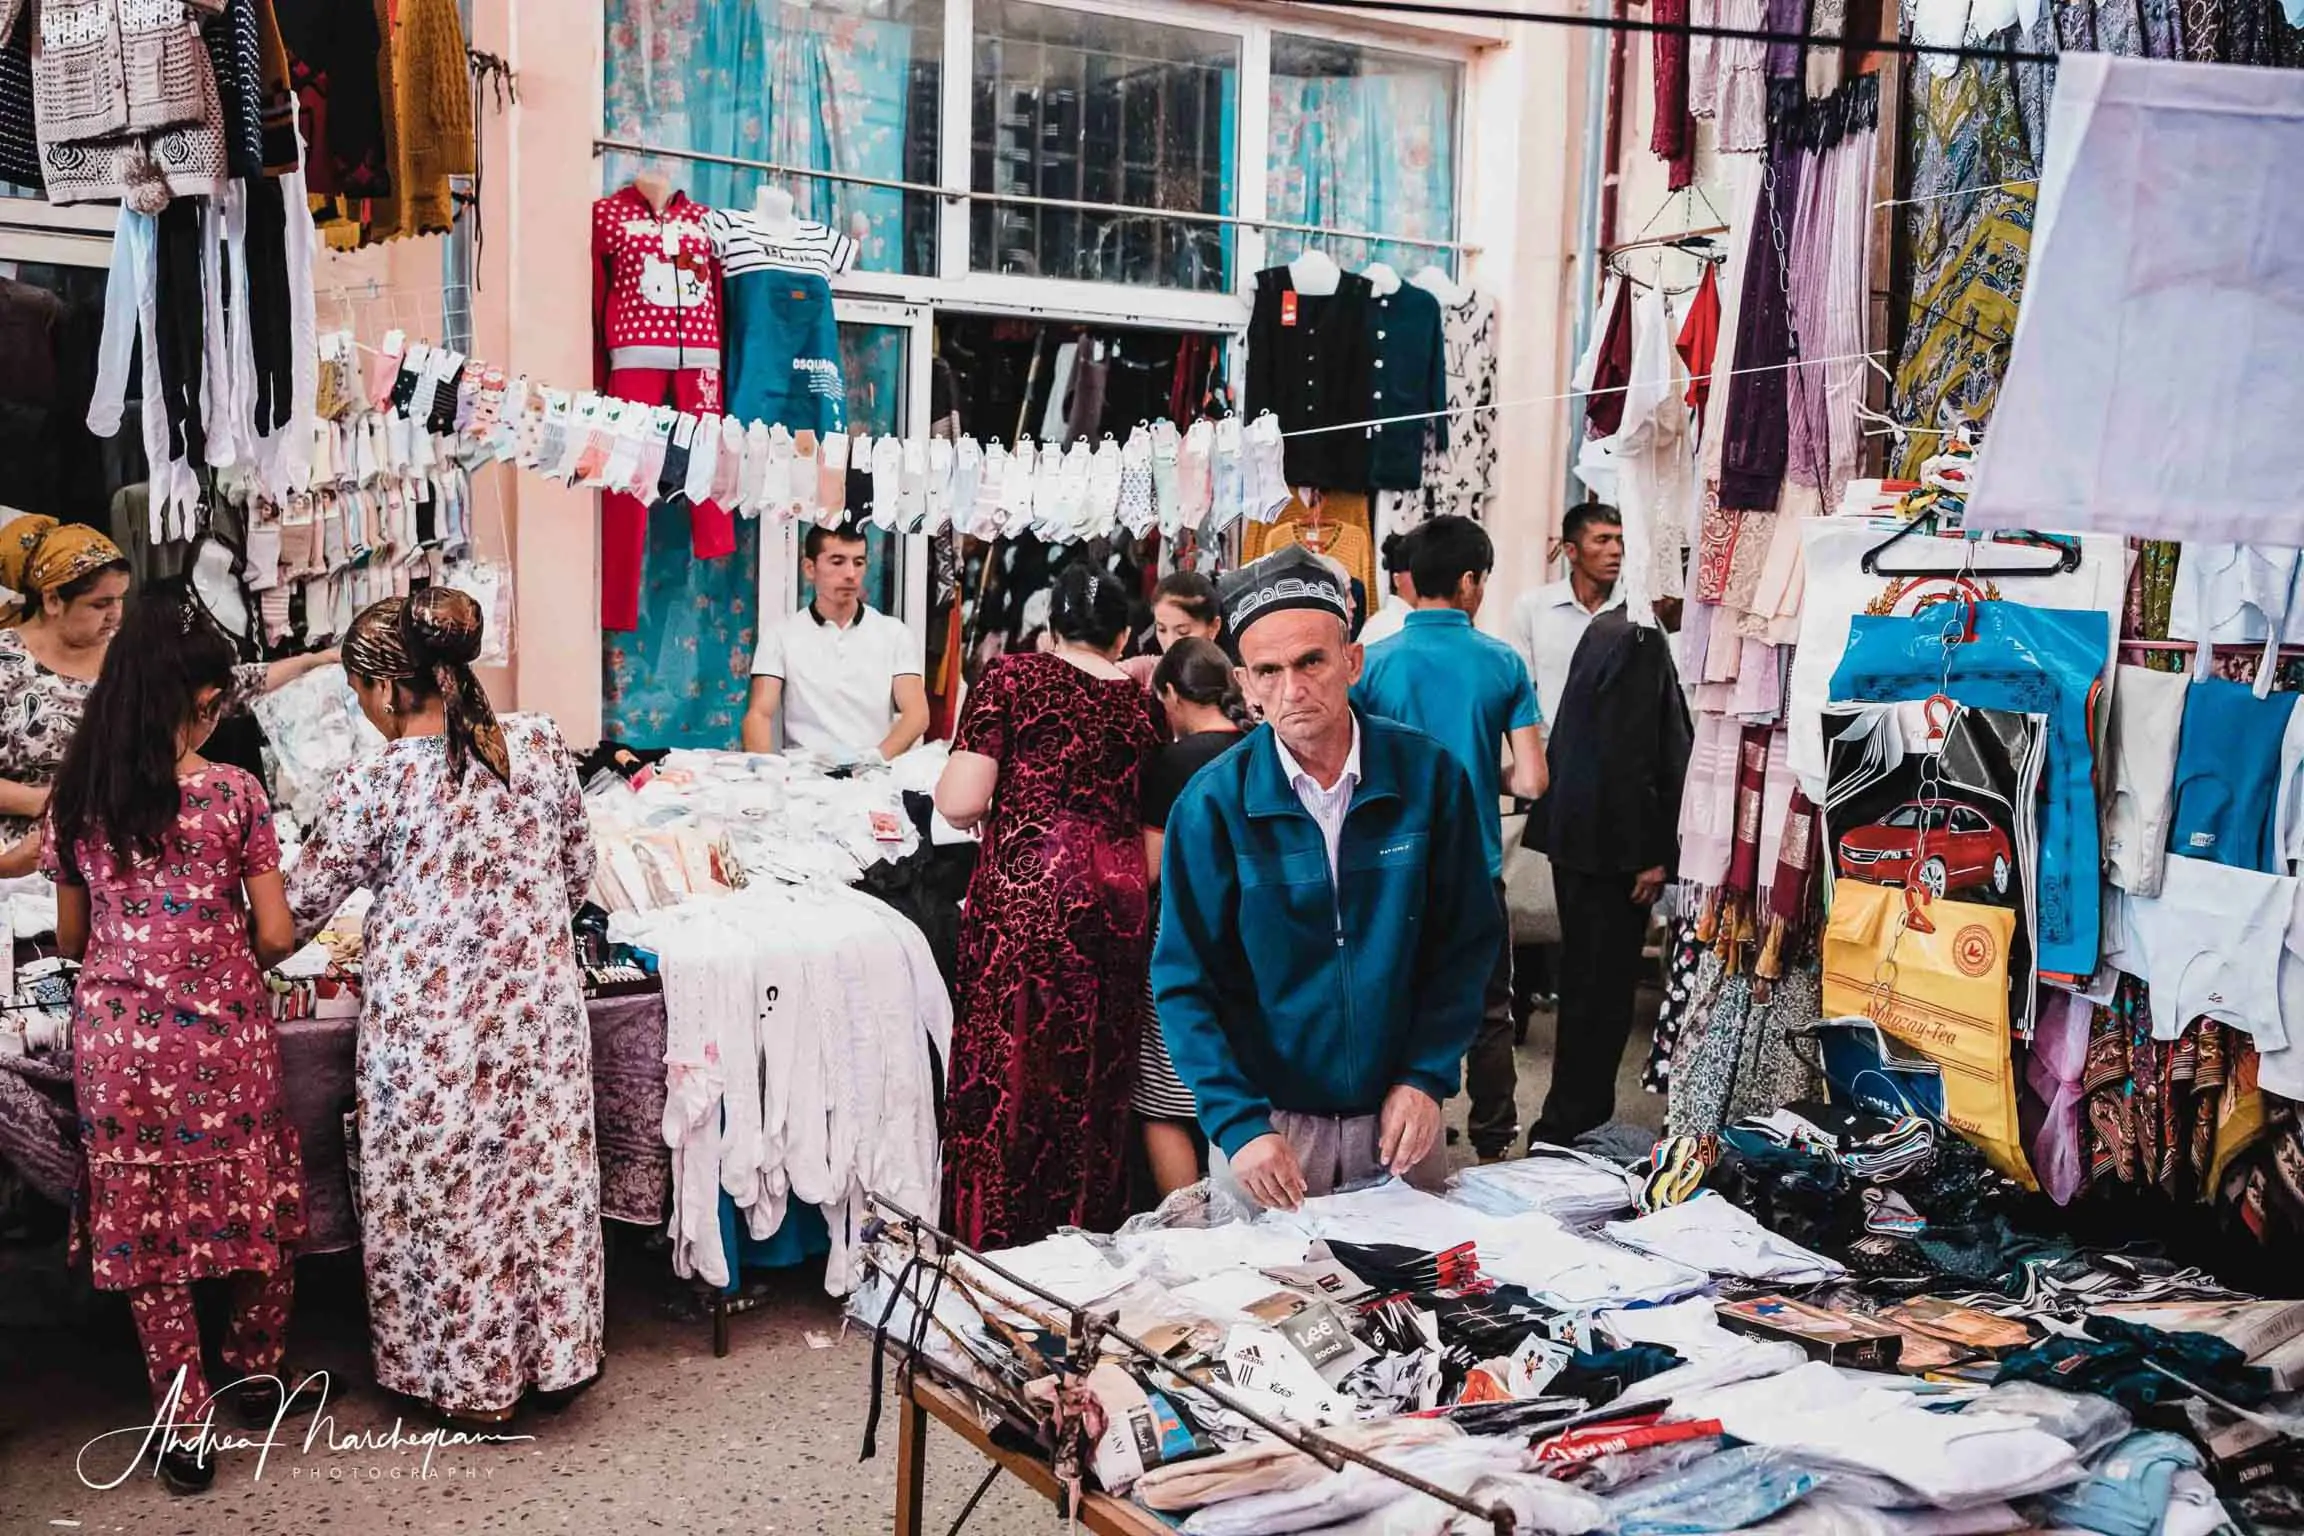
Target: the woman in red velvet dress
(1054, 934)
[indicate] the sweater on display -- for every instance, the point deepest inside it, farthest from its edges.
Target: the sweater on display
(655, 284)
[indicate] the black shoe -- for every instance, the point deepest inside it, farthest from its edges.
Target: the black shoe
(558, 1399)
(257, 1404)
(186, 1473)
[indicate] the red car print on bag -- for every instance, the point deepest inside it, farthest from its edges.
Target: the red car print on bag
(1938, 845)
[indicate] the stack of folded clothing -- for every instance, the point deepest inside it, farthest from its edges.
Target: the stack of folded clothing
(1877, 1148)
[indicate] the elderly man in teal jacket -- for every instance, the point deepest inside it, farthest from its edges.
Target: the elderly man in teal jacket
(1327, 923)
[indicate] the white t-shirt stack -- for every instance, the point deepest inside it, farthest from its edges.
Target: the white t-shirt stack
(839, 680)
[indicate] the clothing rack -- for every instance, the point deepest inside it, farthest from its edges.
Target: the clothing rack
(1030, 200)
(2190, 647)
(1666, 241)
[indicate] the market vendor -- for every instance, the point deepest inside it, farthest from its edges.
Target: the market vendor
(1327, 925)
(848, 678)
(72, 586)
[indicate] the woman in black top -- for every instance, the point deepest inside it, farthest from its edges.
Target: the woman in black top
(1196, 685)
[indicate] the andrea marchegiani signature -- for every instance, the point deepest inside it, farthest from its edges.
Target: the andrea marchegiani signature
(301, 1426)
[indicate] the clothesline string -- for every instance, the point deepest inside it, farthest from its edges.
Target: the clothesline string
(1503, 405)
(1938, 197)
(1580, 394)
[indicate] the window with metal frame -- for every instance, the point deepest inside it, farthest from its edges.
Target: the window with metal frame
(849, 88)
(1080, 108)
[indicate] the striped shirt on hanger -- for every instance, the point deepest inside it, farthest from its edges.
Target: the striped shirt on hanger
(747, 246)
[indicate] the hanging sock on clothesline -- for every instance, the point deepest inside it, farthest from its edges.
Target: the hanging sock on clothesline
(1205, 477)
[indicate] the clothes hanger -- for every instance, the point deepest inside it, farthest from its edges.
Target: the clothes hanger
(1440, 285)
(1381, 278)
(1314, 273)
(2067, 552)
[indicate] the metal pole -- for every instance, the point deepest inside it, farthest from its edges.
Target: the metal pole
(1028, 200)
(1327, 1452)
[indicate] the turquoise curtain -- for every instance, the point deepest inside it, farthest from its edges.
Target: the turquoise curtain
(1372, 151)
(774, 80)
(681, 679)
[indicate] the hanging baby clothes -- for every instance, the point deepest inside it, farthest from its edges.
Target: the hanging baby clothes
(656, 309)
(2234, 762)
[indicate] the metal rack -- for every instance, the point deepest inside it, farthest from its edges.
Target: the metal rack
(1085, 1333)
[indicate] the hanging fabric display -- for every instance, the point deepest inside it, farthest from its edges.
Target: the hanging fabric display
(2153, 376)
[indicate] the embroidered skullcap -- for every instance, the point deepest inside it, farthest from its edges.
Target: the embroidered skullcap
(1288, 578)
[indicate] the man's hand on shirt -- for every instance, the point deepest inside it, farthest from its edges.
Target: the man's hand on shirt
(1407, 1128)
(1268, 1171)
(1647, 886)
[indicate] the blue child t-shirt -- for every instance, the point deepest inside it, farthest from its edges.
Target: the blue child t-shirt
(1466, 689)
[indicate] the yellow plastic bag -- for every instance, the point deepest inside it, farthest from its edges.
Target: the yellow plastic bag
(1939, 984)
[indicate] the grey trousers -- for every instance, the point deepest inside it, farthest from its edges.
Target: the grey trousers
(1334, 1151)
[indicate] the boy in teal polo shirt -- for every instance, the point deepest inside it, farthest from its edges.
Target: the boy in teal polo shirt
(1472, 693)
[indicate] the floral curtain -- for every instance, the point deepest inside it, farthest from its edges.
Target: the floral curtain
(784, 81)
(1372, 151)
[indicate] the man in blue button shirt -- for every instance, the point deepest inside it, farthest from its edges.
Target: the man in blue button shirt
(1472, 693)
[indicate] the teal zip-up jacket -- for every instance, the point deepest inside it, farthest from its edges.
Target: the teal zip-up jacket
(1280, 988)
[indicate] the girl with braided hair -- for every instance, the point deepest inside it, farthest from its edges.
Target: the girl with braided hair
(479, 1181)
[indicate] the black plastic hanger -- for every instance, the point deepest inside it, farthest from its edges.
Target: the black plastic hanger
(2067, 551)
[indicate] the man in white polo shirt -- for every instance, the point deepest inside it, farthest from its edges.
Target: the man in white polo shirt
(849, 680)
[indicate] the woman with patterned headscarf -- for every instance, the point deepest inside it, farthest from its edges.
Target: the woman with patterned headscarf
(71, 586)
(479, 1181)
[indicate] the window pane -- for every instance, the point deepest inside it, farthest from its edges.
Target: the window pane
(835, 85)
(1363, 139)
(1074, 104)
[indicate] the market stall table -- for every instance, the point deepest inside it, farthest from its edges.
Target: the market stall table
(1098, 1512)
(317, 1059)
(317, 1062)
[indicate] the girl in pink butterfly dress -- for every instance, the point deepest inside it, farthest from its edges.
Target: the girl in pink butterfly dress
(169, 891)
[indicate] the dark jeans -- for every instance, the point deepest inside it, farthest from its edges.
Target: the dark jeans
(1490, 1074)
(1600, 937)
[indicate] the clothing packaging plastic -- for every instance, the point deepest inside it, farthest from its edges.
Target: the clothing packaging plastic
(2004, 655)
(2152, 389)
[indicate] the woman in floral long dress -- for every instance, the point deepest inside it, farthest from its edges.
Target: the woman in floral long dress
(479, 1179)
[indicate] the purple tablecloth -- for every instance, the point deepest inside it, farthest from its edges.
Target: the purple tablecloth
(316, 1064)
